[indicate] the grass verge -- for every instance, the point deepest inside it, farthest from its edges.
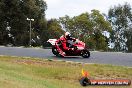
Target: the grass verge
(21, 72)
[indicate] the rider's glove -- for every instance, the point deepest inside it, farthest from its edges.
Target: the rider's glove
(72, 48)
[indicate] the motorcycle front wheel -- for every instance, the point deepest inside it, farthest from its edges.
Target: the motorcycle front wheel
(85, 54)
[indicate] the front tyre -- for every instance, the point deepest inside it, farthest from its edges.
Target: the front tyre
(85, 54)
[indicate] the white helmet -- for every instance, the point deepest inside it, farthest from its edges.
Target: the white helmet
(67, 35)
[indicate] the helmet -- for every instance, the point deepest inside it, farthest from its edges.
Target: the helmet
(67, 35)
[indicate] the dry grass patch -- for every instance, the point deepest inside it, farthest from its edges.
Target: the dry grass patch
(21, 72)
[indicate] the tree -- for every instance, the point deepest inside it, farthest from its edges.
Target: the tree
(88, 28)
(99, 25)
(121, 19)
(54, 29)
(77, 26)
(15, 12)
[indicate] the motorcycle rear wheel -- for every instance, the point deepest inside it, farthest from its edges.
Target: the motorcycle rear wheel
(55, 52)
(85, 54)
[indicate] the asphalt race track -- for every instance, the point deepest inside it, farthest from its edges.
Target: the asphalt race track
(114, 58)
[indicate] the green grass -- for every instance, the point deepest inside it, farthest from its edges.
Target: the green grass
(20, 72)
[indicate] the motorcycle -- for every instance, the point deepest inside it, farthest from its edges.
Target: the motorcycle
(80, 48)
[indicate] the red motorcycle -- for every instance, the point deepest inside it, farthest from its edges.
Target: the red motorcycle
(80, 48)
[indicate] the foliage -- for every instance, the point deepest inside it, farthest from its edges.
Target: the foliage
(13, 13)
(54, 28)
(53, 31)
(88, 28)
(121, 19)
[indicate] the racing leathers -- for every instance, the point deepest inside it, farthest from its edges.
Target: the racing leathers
(70, 42)
(64, 48)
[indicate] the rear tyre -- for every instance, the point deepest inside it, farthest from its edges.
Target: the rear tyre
(54, 51)
(85, 54)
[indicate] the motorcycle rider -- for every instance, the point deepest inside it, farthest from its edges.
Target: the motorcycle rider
(64, 41)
